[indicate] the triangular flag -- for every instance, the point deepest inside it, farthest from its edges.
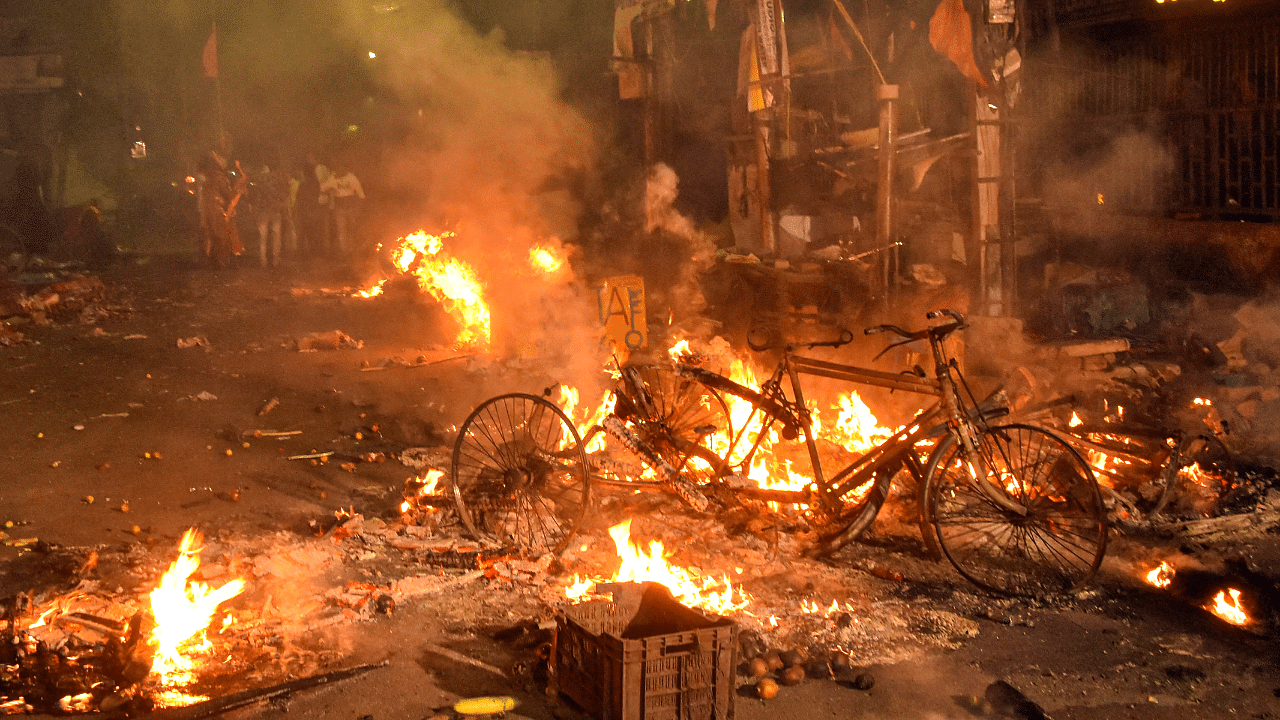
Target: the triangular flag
(210, 56)
(951, 34)
(839, 45)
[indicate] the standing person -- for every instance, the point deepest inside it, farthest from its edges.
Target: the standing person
(346, 193)
(270, 199)
(218, 198)
(291, 215)
(22, 206)
(313, 207)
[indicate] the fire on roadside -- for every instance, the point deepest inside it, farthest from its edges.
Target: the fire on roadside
(448, 279)
(855, 428)
(1160, 576)
(1226, 605)
(373, 290)
(421, 487)
(183, 610)
(637, 564)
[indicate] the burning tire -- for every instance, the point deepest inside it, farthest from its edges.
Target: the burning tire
(520, 475)
(1056, 545)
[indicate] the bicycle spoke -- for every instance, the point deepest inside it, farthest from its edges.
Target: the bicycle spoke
(512, 480)
(1056, 542)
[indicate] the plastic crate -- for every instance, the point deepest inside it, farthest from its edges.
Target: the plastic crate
(645, 656)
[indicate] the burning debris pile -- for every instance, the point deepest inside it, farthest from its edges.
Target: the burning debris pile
(82, 652)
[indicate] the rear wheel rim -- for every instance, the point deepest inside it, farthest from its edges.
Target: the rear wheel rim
(520, 475)
(1057, 546)
(674, 416)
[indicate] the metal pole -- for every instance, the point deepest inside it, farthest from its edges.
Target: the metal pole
(888, 97)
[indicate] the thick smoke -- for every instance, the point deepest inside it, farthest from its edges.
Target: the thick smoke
(494, 153)
(690, 251)
(1092, 137)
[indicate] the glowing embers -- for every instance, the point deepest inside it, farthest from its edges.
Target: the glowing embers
(641, 565)
(183, 610)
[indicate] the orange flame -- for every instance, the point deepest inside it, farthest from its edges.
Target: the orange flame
(856, 428)
(1194, 473)
(547, 260)
(638, 565)
(1161, 576)
(583, 419)
(182, 610)
(450, 281)
(679, 350)
(373, 291)
(428, 484)
(1229, 609)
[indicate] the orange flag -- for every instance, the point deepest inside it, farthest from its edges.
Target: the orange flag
(839, 45)
(210, 57)
(951, 34)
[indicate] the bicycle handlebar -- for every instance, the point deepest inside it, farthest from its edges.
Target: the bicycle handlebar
(940, 331)
(756, 343)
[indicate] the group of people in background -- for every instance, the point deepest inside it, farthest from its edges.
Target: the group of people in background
(312, 211)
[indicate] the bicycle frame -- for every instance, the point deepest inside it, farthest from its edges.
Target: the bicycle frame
(796, 365)
(794, 413)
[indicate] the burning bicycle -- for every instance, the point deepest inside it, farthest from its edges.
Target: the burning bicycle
(1013, 507)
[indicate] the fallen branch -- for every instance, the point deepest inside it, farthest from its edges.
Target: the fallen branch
(459, 657)
(273, 433)
(1209, 528)
(310, 456)
(234, 701)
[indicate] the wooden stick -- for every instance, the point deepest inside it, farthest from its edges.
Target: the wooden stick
(459, 657)
(845, 14)
(218, 706)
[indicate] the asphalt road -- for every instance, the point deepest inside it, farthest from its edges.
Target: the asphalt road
(109, 444)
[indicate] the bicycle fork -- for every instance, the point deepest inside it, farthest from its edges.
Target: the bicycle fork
(974, 463)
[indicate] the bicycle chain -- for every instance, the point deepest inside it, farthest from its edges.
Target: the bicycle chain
(673, 481)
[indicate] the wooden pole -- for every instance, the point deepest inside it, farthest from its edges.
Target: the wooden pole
(888, 97)
(768, 242)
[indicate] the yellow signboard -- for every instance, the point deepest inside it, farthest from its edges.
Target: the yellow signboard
(620, 303)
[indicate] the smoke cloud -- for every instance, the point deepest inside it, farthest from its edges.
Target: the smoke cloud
(493, 152)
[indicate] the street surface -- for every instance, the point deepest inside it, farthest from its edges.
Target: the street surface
(119, 438)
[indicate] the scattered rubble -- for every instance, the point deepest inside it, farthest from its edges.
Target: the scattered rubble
(331, 340)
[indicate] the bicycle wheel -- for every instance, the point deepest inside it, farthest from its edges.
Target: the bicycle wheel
(14, 255)
(1196, 479)
(520, 474)
(1130, 463)
(1056, 545)
(684, 421)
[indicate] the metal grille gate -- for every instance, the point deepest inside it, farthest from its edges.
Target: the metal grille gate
(1208, 96)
